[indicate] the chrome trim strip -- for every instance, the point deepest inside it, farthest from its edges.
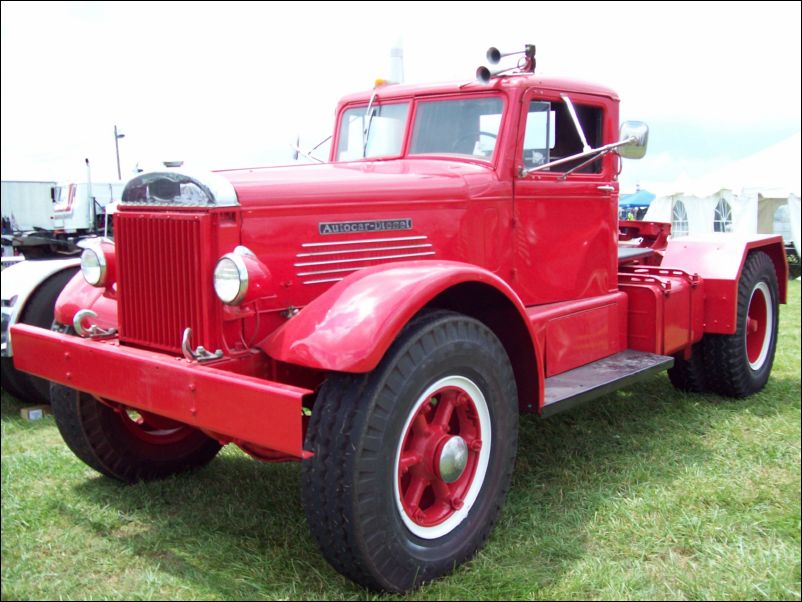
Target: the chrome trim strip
(361, 259)
(322, 281)
(343, 251)
(216, 187)
(320, 272)
(364, 240)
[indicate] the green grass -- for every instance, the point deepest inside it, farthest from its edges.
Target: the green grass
(645, 494)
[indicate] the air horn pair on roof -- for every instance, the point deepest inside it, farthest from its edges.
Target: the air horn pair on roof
(526, 64)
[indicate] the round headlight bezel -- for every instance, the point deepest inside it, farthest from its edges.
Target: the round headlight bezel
(243, 278)
(102, 266)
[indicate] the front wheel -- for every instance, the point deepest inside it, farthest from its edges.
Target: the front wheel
(125, 444)
(413, 460)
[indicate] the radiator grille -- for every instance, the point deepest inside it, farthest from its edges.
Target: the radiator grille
(161, 281)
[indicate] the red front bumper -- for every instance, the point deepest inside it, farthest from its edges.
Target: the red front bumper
(239, 407)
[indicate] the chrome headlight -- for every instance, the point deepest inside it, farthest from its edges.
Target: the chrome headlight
(231, 279)
(94, 266)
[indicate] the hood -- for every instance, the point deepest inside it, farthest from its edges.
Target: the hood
(375, 181)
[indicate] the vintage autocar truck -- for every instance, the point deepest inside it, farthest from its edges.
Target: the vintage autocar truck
(385, 316)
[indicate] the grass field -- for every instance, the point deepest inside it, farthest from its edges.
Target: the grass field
(644, 494)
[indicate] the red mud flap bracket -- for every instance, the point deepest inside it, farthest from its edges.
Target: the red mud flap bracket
(242, 407)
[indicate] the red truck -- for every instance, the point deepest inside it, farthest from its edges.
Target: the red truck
(385, 316)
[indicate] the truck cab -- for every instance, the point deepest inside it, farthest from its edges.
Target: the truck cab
(384, 316)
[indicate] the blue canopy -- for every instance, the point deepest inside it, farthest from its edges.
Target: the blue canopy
(642, 198)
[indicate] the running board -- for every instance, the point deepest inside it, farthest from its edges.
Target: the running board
(569, 389)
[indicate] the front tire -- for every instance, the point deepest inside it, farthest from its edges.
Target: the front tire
(739, 364)
(124, 444)
(413, 460)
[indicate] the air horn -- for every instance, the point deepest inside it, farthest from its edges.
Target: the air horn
(494, 55)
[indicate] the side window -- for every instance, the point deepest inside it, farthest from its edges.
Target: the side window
(539, 135)
(551, 134)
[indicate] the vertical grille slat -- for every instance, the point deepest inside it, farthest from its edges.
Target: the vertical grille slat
(160, 282)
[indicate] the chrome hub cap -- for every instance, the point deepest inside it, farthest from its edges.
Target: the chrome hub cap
(453, 459)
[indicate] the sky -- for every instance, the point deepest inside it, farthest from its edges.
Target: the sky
(230, 84)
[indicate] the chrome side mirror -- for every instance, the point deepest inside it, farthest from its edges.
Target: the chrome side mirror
(637, 133)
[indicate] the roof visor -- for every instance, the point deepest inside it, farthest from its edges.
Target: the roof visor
(180, 189)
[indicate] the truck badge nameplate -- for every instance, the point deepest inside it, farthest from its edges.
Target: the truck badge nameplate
(377, 225)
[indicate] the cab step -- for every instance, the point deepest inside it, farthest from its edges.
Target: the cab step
(574, 387)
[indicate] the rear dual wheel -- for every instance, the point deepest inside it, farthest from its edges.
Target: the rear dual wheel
(413, 460)
(739, 364)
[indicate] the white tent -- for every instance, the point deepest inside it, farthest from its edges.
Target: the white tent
(777, 168)
(758, 194)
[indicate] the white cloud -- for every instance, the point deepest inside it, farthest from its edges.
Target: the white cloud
(229, 84)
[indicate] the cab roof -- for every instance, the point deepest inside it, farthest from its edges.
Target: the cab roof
(503, 82)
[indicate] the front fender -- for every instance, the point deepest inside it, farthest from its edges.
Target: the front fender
(19, 284)
(78, 295)
(350, 327)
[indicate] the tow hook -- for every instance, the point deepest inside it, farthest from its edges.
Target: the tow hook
(200, 354)
(94, 331)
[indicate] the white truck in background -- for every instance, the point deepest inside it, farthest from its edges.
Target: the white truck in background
(25, 205)
(45, 244)
(75, 210)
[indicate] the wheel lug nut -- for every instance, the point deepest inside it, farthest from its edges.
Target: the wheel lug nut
(419, 515)
(457, 503)
(475, 445)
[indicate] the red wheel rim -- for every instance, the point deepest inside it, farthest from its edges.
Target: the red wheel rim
(427, 497)
(153, 429)
(759, 320)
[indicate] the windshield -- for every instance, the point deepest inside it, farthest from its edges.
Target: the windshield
(385, 131)
(461, 127)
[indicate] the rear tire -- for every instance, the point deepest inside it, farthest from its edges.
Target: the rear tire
(739, 364)
(689, 375)
(413, 460)
(125, 445)
(37, 312)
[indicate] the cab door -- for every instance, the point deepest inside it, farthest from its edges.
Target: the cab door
(566, 224)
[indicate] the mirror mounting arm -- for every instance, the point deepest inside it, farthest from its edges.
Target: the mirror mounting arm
(590, 153)
(584, 163)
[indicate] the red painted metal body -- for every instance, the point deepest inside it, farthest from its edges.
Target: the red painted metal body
(350, 326)
(78, 295)
(574, 333)
(265, 413)
(665, 309)
(535, 257)
(719, 260)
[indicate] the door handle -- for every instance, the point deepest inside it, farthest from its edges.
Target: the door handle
(606, 188)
